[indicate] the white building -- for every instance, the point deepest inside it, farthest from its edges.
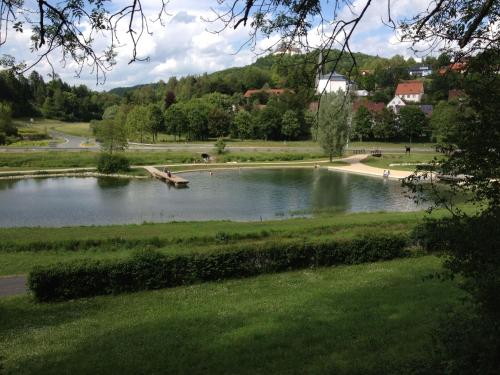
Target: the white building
(410, 91)
(334, 82)
(395, 104)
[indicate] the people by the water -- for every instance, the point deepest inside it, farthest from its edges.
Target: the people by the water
(386, 173)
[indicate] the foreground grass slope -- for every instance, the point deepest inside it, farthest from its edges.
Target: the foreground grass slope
(370, 319)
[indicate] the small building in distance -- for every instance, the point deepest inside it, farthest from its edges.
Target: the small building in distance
(334, 82)
(373, 107)
(420, 70)
(396, 104)
(287, 49)
(410, 91)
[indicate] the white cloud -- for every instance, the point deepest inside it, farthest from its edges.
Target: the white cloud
(184, 45)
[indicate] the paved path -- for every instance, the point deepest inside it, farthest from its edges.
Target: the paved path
(355, 166)
(12, 285)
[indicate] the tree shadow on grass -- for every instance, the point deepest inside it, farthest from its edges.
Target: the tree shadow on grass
(373, 328)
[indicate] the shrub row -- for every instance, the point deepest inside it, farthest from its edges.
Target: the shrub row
(153, 270)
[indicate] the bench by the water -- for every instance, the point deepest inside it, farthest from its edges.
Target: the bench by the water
(176, 180)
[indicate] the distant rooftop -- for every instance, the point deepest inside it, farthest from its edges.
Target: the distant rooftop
(333, 77)
(410, 87)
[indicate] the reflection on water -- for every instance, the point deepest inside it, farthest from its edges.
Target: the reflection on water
(233, 195)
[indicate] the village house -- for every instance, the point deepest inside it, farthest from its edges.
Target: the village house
(373, 107)
(333, 82)
(285, 49)
(406, 92)
(420, 70)
(396, 104)
(410, 91)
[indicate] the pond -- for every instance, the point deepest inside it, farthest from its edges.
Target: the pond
(232, 195)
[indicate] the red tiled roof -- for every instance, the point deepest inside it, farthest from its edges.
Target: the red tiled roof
(369, 105)
(410, 87)
(251, 92)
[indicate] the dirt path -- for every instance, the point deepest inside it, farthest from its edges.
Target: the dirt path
(355, 166)
(12, 285)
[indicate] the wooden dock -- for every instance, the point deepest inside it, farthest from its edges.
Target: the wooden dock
(176, 180)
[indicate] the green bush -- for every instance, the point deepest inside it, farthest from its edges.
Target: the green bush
(112, 163)
(149, 269)
(2, 138)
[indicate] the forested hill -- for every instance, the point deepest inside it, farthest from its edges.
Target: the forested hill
(295, 72)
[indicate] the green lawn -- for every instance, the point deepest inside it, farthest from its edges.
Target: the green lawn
(81, 129)
(23, 248)
(369, 146)
(366, 319)
(64, 159)
(399, 160)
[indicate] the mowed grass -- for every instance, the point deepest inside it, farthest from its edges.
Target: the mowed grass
(365, 319)
(369, 146)
(386, 160)
(21, 246)
(80, 129)
(64, 159)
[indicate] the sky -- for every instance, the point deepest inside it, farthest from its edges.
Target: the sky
(186, 44)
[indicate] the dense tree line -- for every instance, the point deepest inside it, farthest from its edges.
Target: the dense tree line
(409, 125)
(213, 115)
(32, 97)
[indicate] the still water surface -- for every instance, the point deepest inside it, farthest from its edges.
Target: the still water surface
(233, 195)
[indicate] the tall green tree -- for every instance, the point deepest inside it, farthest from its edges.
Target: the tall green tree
(269, 123)
(7, 127)
(334, 123)
(176, 120)
(385, 127)
(290, 126)
(137, 121)
(413, 123)
(362, 124)
(112, 135)
(244, 124)
(155, 122)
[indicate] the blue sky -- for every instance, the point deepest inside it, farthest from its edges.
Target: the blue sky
(185, 46)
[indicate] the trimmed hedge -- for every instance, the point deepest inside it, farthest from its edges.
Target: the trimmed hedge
(153, 270)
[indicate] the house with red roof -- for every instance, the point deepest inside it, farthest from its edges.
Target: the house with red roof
(373, 107)
(410, 91)
(407, 92)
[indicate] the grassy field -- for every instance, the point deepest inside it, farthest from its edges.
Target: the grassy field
(393, 145)
(63, 159)
(80, 129)
(23, 248)
(366, 319)
(400, 160)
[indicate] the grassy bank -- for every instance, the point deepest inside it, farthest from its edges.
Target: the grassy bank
(23, 248)
(401, 161)
(370, 319)
(62, 159)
